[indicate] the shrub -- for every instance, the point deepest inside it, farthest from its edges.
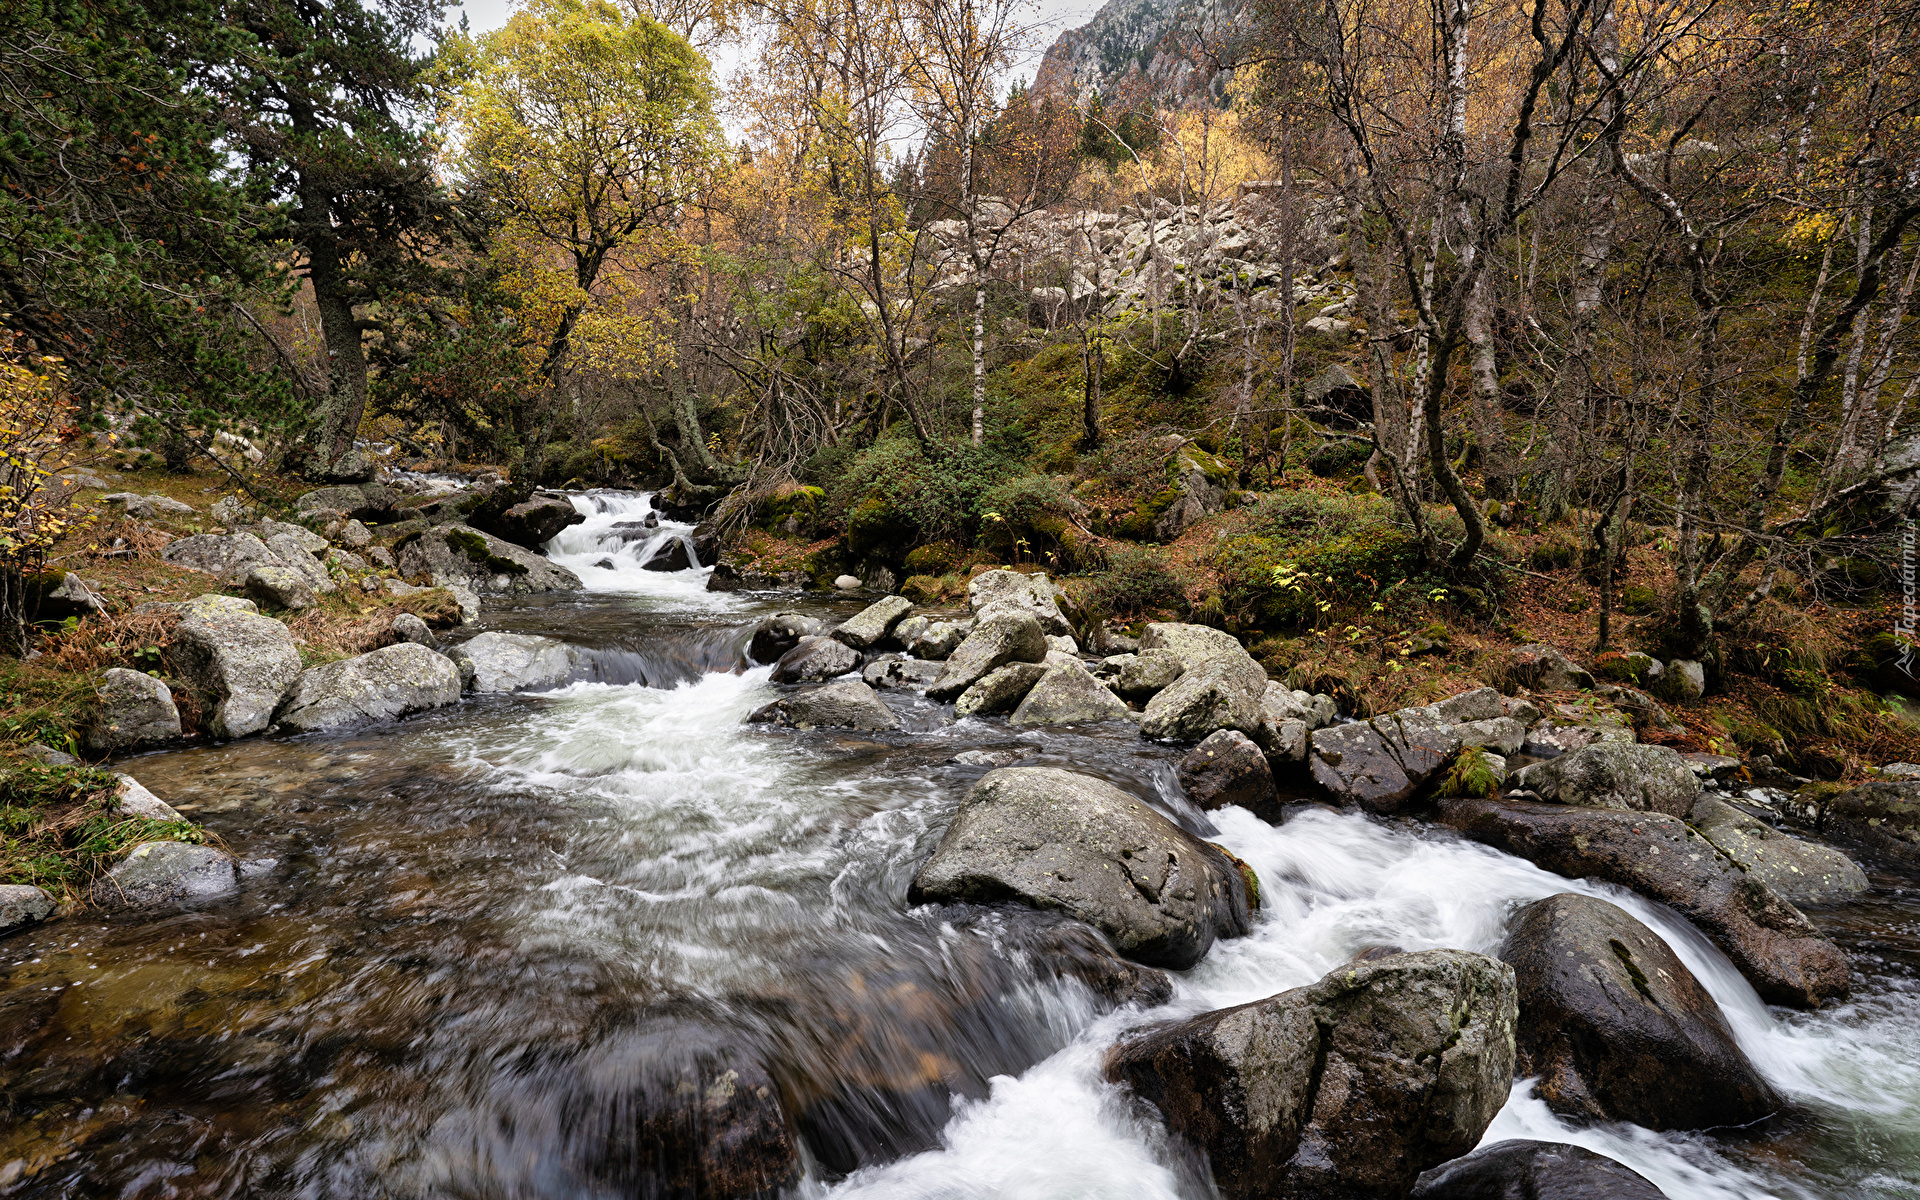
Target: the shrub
(59, 830)
(1136, 580)
(1470, 776)
(1338, 459)
(923, 499)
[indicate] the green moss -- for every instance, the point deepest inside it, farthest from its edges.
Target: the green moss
(875, 529)
(1554, 552)
(1338, 459)
(478, 552)
(59, 830)
(1637, 601)
(936, 558)
(1247, 876)
(1139, 526)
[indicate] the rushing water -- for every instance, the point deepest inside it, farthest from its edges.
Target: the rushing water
(466, 941)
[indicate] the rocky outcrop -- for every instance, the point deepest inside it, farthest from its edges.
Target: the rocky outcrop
(456, 554)
(1000, 635)
(1221, 692)
(23, 906)
(1626, 776)
(1033, 593)
(1069, 843)
(1347, 1087)
(1768, 939)
(813, 659)
(1529, 1170)
(777, 634)
(1802, 872)
(531, 523)
(1191, 644)
(377, 686)
(226, 556)
(135, 709)
(515, 662)
(999, 690)
(1066, 694)
(843, 704)
(1199, 485)
(1616, 1027)
(1380, 765)
(1229, 768)
(157, 873)
(871, 625)
(246, 663)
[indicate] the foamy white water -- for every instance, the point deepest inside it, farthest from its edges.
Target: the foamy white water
(607, 561)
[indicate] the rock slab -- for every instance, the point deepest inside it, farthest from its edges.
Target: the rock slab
(1803, 872)
(1527, 1170)
(155, 873)
(514, 662)
(377, 686)
(1622, 775)
(843, 704)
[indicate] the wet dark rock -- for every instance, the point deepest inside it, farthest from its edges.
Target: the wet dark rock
(23, 906)
(1057, 841)
(514, 662)
(135, 709)
(815, 658)
(1623, 775)
(900, 672)
(705, 547)
(246, 663)
(157, 873)
(1221, 692)
(871, 625)
(673, 556)
(1032, 593)
(843, 704)
(723, 578)
(1066, 694)
(1228, 768)
(531, 523)
(1380, 765)
(1617, 1028)
(1656, 855)
(1885, 815)
(1002, 634)
(777, 634)
(1348, 1087)
(999, 690)
(379, 685)
(1529, 1170)
(455, 555)
(1803, 872)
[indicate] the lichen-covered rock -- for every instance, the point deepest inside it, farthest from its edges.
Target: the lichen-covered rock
(23, 906)
(1480, 704)
(900, 673)
(278, 586)
(1033, 593)
(1884, 814)
(1191, 644)
(409, 628)
(1001, 634)
(1527, 1170)
(292, 552)
(1803, 872)
(156, 873)
(1069, 843)
(1348, 1087)
(1148, 673)
(1624, 775)
(1221, 692)
(1616, 1027)
(1502, 735)
(135, 709)
(1067, 693)
(777, 634)
(1229, 768)
(456, 554)
(379, 685)
(842, 704)
(935, 643)
(515, 662)
(226, 556)
(815, 658)
(999, 690)
(871, 625)
(247, 663)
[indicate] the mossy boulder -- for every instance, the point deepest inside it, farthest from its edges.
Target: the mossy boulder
(935, 558)
(793, 509)
(1637, 601)
(878, 531)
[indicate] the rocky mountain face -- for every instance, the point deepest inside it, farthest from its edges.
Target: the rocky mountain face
(1134, 50)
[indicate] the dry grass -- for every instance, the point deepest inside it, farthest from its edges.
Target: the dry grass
(136, 640)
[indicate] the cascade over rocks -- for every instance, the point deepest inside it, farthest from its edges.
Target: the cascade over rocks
(514, 662)
(777, 634)
(135, 709)
(1348, 1087)
(1617, 1028)
(247, 663)
(1068, 692)
(1768, 939)
(380, 685)
(1001, 634)
(1070, 843)
(1529, 1170)
(814, 658)
(458, 555)
(1622, 775)
(842, 704)
(1228, 768)
(1802, 872)
(871, 625)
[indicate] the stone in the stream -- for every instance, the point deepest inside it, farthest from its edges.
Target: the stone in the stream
(1767, 938)
(531, 523)
(1229, 768)
(1480, 704)
(909, 628)
(815, 658)
(900, 672)
(1002, 634)
(1055, 840)
(672, 556)
(459, 555)
(1148, 673)
(999, 690)
(1502, 735)
(514, 662)
(155, 873)
(1191, 644)
(246, 663)
(1067, 693)
(1885, 815)
(1529, 1170)
(1623, 775)
(23, 906)
(842, 704)
(1349, 1087)
(408, 627)
(1032, 593)
(1381, 764)
(226, 556)
(1616, 1027)
(936, 642)
(871, 625)
(847, 583)
(1803, 872)
(131, 798)
(1222, 692)
(379, 685)
(279, 586)
(777, 634)
(135, 709)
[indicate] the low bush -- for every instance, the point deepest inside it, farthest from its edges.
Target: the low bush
(59, 830)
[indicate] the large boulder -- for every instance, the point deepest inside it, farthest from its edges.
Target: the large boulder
(871, 625)
(1000, 635)
(1529, 1170)
(672, 555)
(246, 663)
(22, 906)
(935, 643)
(293, 551)
(515, 662)
(777, 634)
(1199, 490)
(1541, 668)
(1380, 765)
(155, 873)
(1768, 939)
(1616, 1027)
(815, 658)
(1229, 768)
(1349, 1087)
(1480, 704)
(1191, 644)
(1623, 775)
(458, 555)
(226, 556)
(1502, 735)
(279, 586)
(1034, 593)
(360, 501)
(135, 709)
(999, 690)
(1067, 693)
(531, 523)
(842, 704)
(1069, 843)
(1221, 692)
(1802, 872)
(1146, 674)
(1885, 814)
(379, 685)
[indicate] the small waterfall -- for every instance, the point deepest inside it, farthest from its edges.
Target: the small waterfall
(623, 531)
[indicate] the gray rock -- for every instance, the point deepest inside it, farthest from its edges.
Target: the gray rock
(1069, 843)
(281, 587)
(299, 535)
(347, 560)
(1901, 771)
(356, 535)
(900, 673)
(871, 625)
(847, 583)
(246, 663)
(1063, 644)
(1348, 1087)
(910, 628)
(777, 634)
(535, 521)
(1547, 738)
(1423, 742)
(135, 709)
(350, 499)
(1616, 775)
(72, 597)
(468, 602)
(1521, 709)
(379, 685)
(515, 662)
(231, 510)
(1684, 680)
(813, 659)
(1381, 764)
(1502, 735)
(1033, 593)
(1802, 872)
(1542, 668)
(1884, 814)
(1191, 644)
(1480, 704)
(1521, 1169)
(293, 553)
(990, 758)
(23, 906)
(48, 756)
(843, 704)
(1067, 693)
(999, 690)
(145, 507)
(936, 642)
(1221, 692)
(226, 556)
(1616, 1027)
(1230, 768)
(457, 554)
(1148, 673)
(156, 873)
(1719, 767)
(409, 628)
(380, 556)
(1002, 634)
(133, 799)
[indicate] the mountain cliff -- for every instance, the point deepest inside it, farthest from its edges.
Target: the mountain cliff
(1135, 50)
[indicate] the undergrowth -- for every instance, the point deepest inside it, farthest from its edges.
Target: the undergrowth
(59, 830)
